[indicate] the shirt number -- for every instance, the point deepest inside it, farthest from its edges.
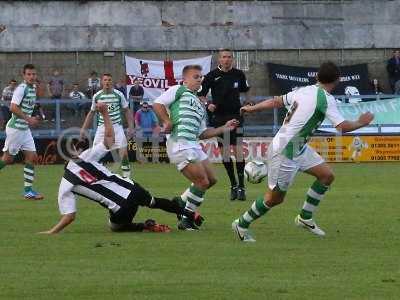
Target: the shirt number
(290, 112)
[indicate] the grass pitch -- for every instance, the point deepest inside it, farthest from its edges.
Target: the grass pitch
(358, 259)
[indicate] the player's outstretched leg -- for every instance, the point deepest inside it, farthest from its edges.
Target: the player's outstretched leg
(148, 226)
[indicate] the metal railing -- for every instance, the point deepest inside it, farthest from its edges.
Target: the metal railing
(63, 114)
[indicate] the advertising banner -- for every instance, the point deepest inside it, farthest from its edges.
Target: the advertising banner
(156, 76)
(332, 148)
(386, 112)
(353, 80)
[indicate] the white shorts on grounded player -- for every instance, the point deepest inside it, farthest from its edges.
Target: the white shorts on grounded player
(18, 140)
(182, 152)
(282, 170)
(120, 138)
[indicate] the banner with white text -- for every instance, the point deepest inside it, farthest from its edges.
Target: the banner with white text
(353, 79)
(156, 76)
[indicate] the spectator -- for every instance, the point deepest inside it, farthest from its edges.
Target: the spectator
(6, 97)
(75, 94)
(93, 84)
(40, 89)
(393, 69)
(136, 95)
(146, 121)
(40, 94)
(376, 86)
(56, 85)
(121, 86)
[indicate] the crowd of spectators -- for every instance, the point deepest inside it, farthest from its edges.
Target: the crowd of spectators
(145, 119)
(56, 88)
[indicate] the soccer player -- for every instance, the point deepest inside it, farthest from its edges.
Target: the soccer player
(289, 152)
(117, 104)
(122, 197)
(18, 134)
(226, 84)
(187, 123)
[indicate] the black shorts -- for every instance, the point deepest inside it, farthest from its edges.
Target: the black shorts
(139, 196)
(234, 134)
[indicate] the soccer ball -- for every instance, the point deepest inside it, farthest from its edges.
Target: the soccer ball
(255, 171)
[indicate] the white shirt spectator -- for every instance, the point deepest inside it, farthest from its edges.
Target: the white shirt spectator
(77, 95)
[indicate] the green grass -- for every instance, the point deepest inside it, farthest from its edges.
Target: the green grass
(358, 259)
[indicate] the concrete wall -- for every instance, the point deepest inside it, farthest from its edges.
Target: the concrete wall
(197, 25)
(76, 66)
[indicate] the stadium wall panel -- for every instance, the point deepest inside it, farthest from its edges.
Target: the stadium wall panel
(197, 25)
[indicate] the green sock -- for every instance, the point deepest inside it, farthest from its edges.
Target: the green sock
(2, 164)
(29, 174)
(194, 198)
(257, 209)
(314, 196)
(126, 168)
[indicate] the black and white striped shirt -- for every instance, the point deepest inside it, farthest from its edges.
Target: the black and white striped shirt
(88, 178)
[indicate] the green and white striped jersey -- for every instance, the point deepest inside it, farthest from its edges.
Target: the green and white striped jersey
(307, 108)
(115, 101)
(187, 112)
(25, 97)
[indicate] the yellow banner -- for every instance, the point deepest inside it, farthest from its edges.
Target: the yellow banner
(357, 148)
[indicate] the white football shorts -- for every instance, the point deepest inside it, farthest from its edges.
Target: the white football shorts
(17, 140)
(120, 138)
(282, 170)
(184, 152)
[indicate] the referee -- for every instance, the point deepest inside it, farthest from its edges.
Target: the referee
(226, 84)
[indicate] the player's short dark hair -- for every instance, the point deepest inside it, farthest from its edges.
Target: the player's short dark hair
(328, 72)
(106, 74)
(187, 68)
(12, 80)
(225, 50)
(28, 67)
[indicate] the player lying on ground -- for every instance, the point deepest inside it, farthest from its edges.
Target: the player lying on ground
(88, 178)
(289, 152)
(186, 122)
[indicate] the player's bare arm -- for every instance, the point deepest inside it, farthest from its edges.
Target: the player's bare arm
(64, 222)
(109, 136)
(86, 123)
(16, 110)
(129, 118)
(212, 132)
(364, 120)
(275, 102)
(162, 114)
